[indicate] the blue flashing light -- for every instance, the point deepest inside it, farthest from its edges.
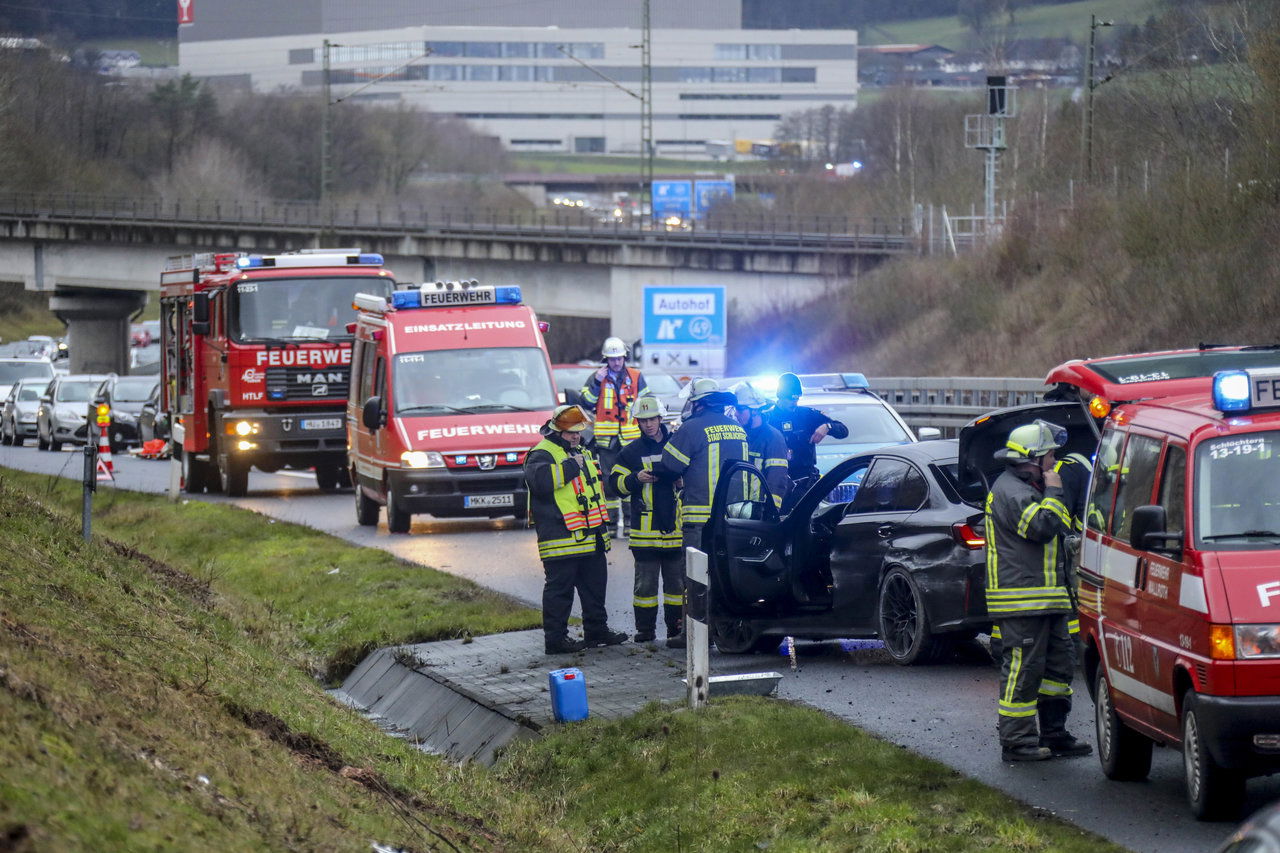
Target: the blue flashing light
(244, 262)
(855, 380)
(508, 294)
(406, 299)
(460, 459)
(371, 258)
(1231, 391)
(276, 393)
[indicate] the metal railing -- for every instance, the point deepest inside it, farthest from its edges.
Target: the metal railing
(950, 402)
(807, 233)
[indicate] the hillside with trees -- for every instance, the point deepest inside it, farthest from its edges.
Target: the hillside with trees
(1170, 241)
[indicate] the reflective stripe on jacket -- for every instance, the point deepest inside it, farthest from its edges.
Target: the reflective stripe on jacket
(654, 507)
(1025, 571)
(612, 398)
(767, 450)
(567, 503)
(1075, 470)
(696, 452)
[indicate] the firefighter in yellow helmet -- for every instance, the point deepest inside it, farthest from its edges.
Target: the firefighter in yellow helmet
(566, 502)
(1027, 597)
(655, 532)
(610, 391)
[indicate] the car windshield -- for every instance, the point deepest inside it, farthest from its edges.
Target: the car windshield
(132, 391)
(868, 424)
(75, 392)
(299, 308)
(1183, 365)
(12, 371)
(1237, 492)
(572, 378)
(662, 384)
(30, 393)
(445, 382)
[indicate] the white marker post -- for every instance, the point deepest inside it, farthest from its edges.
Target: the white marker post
(697, 655)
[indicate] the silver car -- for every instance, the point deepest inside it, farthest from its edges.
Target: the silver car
(18, 412)
(64, 409)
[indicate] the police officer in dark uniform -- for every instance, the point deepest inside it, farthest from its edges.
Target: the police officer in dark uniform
(802, 427)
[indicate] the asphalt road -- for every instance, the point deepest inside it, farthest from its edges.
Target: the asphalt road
(946, 712)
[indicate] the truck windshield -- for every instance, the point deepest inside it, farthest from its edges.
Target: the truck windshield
(446, 382)
(298, 308)
(12, 371)
(1238, 492)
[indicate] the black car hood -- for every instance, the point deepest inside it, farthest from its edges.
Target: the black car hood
(982, 437)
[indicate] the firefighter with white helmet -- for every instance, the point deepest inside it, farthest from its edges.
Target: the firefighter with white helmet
(1027, 596)
(655, 532)
(566, 502)
(610, 391)
(696, 453)
(765, 445)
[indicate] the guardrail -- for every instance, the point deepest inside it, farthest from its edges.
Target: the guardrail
(808, 233)
(950, 402)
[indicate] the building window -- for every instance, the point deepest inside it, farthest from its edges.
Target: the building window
(482, 73)
(729, 75)
(581, 50)
(445, 72)
(726, 117)
(764, 75)
(726, 96)
(749, 52)
(799, 75)
(588, 144)
(517, 50)
(537, 142)
(302, 56)
(695, 75)
(447, 48)
(388, 52)
(484, 49)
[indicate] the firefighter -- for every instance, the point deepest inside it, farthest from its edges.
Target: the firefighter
(803, 428)
(655, 536)
(1074, 469)
(765, 445)
(611, 390)
(696, 453)
(1027, 596)
(566, 502)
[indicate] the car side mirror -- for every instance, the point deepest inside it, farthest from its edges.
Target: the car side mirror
(200, 314)
(372, 415)
(1147, 531)
(928, 433)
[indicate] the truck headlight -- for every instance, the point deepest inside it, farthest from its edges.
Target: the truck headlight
(421, 459)
(243, 428)
(1257, 641)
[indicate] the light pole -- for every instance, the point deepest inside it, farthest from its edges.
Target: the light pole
(1090, 85)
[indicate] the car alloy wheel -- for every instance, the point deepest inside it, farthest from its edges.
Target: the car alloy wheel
(735, 636)
(903, 624)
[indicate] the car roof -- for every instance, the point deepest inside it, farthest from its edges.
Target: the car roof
(818, 399)
(26, 358)
(941, 450)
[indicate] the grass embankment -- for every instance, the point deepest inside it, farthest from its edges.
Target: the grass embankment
(25, 312)
(168, 704)
(1069, 20)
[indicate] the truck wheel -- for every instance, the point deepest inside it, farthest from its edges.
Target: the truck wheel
(366, 508)
(234, 477)
(1125, 754)
(902, 622)
(1213, 792)
(397, 519)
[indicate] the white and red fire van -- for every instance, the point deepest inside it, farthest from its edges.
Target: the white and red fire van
(450, 384)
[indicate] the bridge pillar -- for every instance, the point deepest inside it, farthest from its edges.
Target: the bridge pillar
(97, 327)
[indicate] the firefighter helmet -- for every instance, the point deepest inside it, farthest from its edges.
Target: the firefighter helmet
(647, 406)
(1031, 441)
(613, 348)
(701, 388)
(789, 385)
(569, 419)
(748, 396)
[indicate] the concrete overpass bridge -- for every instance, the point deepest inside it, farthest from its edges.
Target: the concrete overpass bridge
(98, 257)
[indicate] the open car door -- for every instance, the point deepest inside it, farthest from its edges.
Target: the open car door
(982, 437)
(750, 553)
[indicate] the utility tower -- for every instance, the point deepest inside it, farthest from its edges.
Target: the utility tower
(646, 112)
(985, 132)
(326, 126)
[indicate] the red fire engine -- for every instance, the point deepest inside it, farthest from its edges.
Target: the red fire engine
(256, 359)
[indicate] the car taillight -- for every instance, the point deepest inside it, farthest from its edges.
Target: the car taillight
(968, 537)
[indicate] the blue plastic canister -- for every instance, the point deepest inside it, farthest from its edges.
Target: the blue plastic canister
(568, 694)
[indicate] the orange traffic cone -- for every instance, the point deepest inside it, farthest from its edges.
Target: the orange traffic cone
(104, 450)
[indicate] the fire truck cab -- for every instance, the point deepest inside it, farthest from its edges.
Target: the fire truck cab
(255, 360)
(451, 383)
(1179, 572)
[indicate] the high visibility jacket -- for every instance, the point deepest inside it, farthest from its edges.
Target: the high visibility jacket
(655, 521)
(767, 450)
(696, 452)
(612, 398)
(1075, 470)
(1025, 571)
(567, 502)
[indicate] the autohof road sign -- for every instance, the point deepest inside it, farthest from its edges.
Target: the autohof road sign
(684, 317)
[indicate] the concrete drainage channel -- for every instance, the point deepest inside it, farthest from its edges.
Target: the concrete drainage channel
(467, 699)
